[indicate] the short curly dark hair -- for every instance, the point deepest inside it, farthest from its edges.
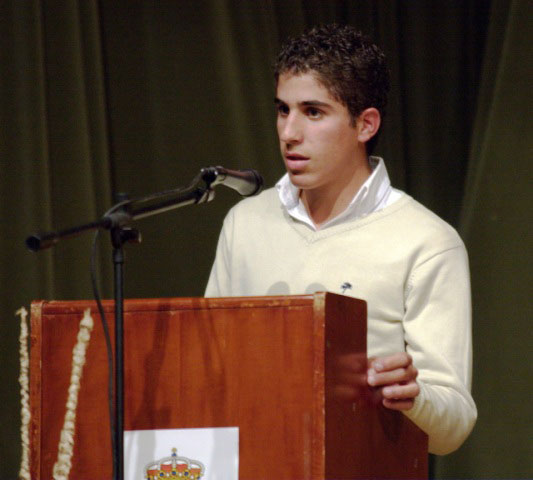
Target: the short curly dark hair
(347, 63)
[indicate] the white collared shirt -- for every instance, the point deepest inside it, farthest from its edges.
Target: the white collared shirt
(376, 193)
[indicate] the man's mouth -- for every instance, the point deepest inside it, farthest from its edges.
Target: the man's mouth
(295, 156)
(295, 162)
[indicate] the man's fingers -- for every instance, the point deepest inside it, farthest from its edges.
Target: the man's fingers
(401, 392)
(400, 397)
(393, 376)
(391, 362)
(398, 404)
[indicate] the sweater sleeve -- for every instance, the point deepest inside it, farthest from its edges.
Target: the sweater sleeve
(219, 283)
(437, 326)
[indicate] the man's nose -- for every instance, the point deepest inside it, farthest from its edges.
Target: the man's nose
(291, 130)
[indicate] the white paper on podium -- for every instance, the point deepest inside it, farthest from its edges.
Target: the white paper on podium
(217, 449)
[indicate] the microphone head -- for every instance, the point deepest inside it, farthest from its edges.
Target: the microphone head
(247, 182)
(256, 185)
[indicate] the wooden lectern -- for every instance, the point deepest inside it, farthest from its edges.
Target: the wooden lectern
(289, 372)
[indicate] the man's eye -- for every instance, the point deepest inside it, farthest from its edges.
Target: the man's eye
(314, 113)
(283, 110)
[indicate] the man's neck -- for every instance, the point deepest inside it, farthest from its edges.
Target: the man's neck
(323, 204)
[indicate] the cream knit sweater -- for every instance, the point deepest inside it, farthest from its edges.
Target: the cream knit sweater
(408, 264)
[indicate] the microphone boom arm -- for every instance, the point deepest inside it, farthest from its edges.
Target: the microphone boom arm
(246, 182)
(123, 213)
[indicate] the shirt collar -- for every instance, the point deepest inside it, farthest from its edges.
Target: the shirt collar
(368, 198)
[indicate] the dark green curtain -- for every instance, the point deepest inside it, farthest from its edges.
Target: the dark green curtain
(132, 96)
(496, 224)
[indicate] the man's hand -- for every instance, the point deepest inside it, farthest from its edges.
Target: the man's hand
(394, 377)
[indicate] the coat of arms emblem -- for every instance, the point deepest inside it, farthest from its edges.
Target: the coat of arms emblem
(174, 468)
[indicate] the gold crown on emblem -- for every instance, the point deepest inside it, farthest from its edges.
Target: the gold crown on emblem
(174, 468)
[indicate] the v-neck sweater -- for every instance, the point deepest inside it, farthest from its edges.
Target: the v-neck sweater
(407, 264)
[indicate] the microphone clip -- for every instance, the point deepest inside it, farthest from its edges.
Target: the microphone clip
(247, 182)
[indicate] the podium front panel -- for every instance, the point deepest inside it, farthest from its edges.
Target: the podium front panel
(265, 365)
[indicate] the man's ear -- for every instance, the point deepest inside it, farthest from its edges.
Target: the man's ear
(368, 123)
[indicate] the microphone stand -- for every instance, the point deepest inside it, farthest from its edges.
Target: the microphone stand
(119, 236)
(117, 220)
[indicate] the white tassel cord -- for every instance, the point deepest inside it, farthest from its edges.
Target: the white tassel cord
(24, 381)
(66, 441)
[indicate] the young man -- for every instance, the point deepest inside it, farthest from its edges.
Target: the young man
(333, 223)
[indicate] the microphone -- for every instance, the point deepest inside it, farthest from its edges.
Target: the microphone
(247, 182)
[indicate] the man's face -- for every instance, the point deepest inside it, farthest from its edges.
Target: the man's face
(317, 139)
